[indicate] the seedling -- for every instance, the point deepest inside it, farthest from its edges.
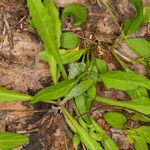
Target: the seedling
(84, 72)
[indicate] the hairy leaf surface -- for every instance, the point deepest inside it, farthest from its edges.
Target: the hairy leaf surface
(79, 89)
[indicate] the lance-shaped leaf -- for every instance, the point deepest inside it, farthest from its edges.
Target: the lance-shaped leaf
(132, 25)
(66, 56)
(140, 46)
(139, 136)
(143, 131)
(79, 89)
(9, 95)
(47, 23)
(77, 11)
(141, 105)
(107, 142)
(80, 102)
(54, 92)
(139, 142)
(85, 137)
(76, 141)
(9, 140)
(124, 80)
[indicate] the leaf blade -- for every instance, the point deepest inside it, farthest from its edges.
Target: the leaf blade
(9, 95)
(47, 29)
(9, 140)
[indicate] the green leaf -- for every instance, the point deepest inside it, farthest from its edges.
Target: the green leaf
(53, 67)
(9, 140)
(66, 56)
(108, 143)
(140, 92)
(89, 142)
(80, 102)
(79, 89)
(69, 40)
(78, 12)
(135, 94)
(132, 25)
(76, 69)
(124, 80)
(101, 66)
(140, 143)
(144, 131)
(140, 46)
(115, 119)
(140, 137)
(54, 92)
(48, 26)
(91, 94)
(142, 118)
(9, 95)
(76, 141)
(146, 15)
(141, 105)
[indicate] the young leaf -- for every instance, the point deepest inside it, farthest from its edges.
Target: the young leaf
(9, 140)
(78, 12)
(53, 67)
(76, 141)
(69, 40)
(140, 46)
(142, 118)
(132, 25)
(106, 140)
(140, 137)
(74, 70)
(139, 142)
(124, 80)
(101, 66)
(54, 92)
(89, 142)
(48, 26)
(91, 92)
(70, 57)
(66, 56)
(140, 92)
(141, 105)
(9, 95)
(80, 102)
(79, 89)
(136, 94)
(146, 15)
(115, 119)
(144, 131)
